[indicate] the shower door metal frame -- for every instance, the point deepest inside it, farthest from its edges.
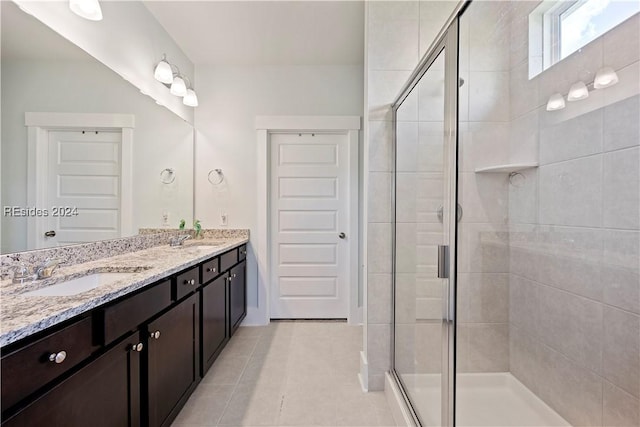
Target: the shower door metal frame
(446, 40)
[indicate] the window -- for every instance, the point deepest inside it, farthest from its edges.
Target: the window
(559, 28)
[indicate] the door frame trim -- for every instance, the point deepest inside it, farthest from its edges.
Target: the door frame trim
(38, 127)
(265, 126)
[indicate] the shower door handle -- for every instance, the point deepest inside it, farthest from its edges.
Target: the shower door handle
(443, 261)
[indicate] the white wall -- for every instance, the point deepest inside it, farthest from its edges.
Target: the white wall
(161, 139)
(129, 40)
(230, 99)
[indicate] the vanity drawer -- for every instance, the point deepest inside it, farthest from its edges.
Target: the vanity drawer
(29, 368)
(127, 315)
(187, 282)
(242, 252)
(210, 269)
(228, 259)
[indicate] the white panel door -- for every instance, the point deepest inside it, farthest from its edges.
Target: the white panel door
(309, 210)
(84, 173)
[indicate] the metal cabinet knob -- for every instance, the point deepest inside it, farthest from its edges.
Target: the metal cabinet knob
(58, 357)
(342, 235)
(209, 270)
(229, 279)
(137, 347)
(155, 334)
(244, 252)
(233, 275)
(190, 282)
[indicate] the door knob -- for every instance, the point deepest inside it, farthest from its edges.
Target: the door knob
(50, 233)
(342, 235)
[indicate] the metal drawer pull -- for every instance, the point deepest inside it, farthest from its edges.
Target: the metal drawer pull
(209, 270)
(58, 357)
(137, 347)
(190, 282)
(244, 252)
(233, 275)
(155, 334)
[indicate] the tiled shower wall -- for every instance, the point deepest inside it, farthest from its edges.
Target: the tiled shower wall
(574, 300)
(398, 34)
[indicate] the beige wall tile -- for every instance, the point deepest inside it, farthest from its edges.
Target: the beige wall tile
(571, 193)
(488, 349)
(573, 138)
(379, 248)
(621, 189)
(379, 298)
(622, 44)
(380, 146)
(621, 124)
(621, 359)
(379, 200)
(393, 44)
(483, 297)
(488, 96)
(575, 393)
(620, 409)
(621, 269)
(572, 325)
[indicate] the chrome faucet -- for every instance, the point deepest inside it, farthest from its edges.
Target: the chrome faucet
(45, 270)
(178, 240)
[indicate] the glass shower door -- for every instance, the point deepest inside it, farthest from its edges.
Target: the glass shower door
(425, 123)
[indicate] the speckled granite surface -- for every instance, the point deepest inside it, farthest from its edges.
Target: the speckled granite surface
(84, 252)
(22, 315)
(207, 233)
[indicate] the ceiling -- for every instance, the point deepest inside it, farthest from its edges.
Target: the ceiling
(265, 32)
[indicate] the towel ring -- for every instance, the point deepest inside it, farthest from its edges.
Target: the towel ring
(167, 176)
(217, 178)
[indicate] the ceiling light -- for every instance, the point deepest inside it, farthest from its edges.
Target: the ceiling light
(605, 77)
(190, 99)
(178, 88)
(88, 9)
(556, 102)
(577, 92)
(163, 72)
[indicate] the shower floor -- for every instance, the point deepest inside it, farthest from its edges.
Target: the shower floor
(495, 399)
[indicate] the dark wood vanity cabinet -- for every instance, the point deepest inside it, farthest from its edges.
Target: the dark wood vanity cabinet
(215, 329)
(131, 362)
(172, 368)
(237, 295)
(103, 393)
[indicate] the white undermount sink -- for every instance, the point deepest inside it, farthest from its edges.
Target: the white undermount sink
(78, 285)
(200, 249)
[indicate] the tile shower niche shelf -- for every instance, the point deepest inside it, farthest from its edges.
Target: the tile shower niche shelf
(508, 168)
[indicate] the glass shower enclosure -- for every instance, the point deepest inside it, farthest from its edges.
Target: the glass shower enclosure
(516, 228)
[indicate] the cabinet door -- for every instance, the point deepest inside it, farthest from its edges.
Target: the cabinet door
(105, 393)
(172, 361)
(237, 295)
(214, 321)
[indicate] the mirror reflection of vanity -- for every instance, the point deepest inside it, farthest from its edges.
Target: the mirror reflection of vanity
(85, 156)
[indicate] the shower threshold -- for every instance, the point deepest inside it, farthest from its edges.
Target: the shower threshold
(491, 399)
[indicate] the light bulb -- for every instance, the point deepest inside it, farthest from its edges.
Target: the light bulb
(163, 72)
(577, 92)
(190, 99)
(178, 88)
(605, 77)
(88, 9)
(556, 102)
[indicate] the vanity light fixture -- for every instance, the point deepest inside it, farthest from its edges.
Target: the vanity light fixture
(605, 77)
(88, 9)
(178, 87)
(577, 92)
(190, 99)
(163, 72)
(556, 102)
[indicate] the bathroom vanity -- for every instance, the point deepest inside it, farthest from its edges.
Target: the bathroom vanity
(125, 354)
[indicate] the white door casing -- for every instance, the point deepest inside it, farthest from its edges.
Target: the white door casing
(267, 127)
(39, 125)
(309, 210)
(84, 186)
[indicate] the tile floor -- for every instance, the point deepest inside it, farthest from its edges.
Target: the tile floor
(287, 374)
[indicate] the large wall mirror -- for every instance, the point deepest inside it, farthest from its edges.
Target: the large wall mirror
(85, 155)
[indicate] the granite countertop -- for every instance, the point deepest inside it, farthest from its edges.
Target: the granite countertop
(22, 315)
